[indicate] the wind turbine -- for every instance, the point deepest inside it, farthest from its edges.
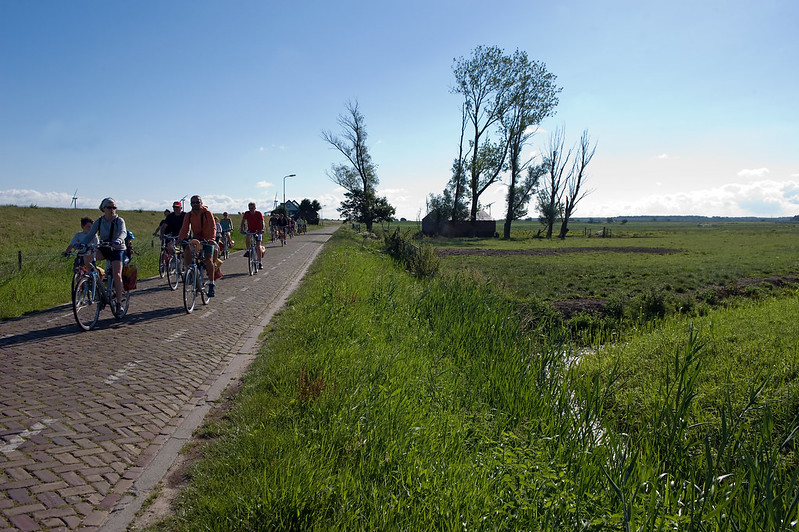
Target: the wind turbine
(74, 199)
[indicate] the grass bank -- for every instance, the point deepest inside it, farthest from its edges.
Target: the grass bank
(385, 402)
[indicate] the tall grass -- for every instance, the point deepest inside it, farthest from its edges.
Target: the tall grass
(384, 402)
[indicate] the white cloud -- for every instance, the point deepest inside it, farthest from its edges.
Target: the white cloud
(264, 184)
(766, 198)
(535, 130)
(663, 156)
(757, 173)
(26, 197)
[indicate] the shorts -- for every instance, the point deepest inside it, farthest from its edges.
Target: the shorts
(112, 254)
(208, 249)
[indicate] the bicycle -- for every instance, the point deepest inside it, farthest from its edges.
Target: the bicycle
(89, 296)
(224, 249)
(78, 269)
(195, 278)
(163, 257)
(252, 253)
(172, 262)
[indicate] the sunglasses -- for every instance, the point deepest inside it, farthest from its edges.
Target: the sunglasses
(110, 207)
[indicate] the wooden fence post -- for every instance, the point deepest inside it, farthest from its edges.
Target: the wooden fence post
(19, 259)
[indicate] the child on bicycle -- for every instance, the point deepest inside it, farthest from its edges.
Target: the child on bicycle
(86, 226)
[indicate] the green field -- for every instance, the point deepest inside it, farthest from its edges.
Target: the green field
(381, 401)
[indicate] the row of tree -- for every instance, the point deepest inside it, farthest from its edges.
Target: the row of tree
(506, 96)
(505, 99)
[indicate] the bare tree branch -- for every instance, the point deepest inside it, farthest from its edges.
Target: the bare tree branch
(576, 180)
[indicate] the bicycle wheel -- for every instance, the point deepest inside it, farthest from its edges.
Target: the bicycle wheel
(85, 302)
(75, 277)
(163, 264)
(252, 261)
(172, 273)
(226, 251)
(120, 312)
(189, 288)
(202, 285)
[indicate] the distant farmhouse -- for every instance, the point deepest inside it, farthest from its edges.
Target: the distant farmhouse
(483, 227)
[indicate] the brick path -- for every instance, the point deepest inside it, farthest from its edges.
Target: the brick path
(86, 418)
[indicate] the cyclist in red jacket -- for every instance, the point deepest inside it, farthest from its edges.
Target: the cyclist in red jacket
(254, 221)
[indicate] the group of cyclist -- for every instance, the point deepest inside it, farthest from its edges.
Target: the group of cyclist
(107, 234)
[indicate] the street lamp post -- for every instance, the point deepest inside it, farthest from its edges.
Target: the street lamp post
(285, 210)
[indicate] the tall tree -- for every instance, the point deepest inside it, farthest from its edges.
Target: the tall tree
(534, 98)
(519, 195)
(485, 82)
(309, 211)
(458, 185)
(550, 196)
(576, 180)
(496, 87)
(359, 178)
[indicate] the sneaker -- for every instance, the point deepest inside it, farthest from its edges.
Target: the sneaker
(211, 291)
(260, 266)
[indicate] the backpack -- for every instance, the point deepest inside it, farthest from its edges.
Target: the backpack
(128, 242)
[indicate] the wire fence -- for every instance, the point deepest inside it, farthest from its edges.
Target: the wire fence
(13, 263)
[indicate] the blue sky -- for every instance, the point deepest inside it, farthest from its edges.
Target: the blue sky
(692, 104)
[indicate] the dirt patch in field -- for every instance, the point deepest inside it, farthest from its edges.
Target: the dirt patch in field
(595, 305)
(449, 252)
(589, 305)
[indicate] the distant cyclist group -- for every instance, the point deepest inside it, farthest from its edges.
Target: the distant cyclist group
(198, 233)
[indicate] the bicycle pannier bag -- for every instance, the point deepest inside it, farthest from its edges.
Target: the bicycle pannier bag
(130, 274)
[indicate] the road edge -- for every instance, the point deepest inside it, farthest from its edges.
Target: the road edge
(126, 510)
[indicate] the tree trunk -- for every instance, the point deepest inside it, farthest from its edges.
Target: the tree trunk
(564, 228)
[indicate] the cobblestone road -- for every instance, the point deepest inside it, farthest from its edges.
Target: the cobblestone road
(85, 417)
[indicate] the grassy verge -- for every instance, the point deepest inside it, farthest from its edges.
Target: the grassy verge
(384, 402)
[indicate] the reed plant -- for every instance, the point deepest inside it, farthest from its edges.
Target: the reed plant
(382, 401)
